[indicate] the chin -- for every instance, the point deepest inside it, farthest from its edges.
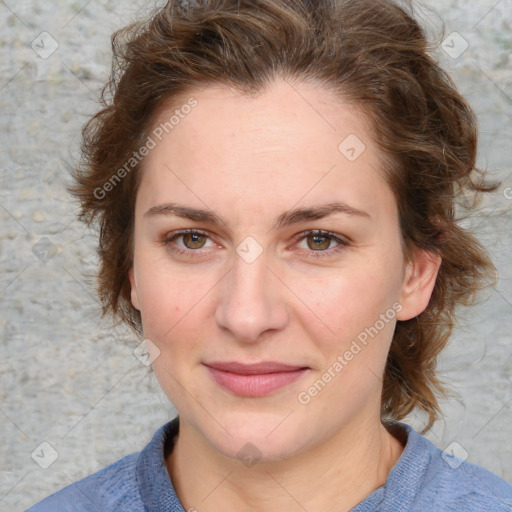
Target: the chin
(257, 436)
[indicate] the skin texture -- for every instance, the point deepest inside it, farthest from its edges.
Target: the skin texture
(249, 159)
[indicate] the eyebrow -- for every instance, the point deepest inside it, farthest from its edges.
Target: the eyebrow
(288, 218)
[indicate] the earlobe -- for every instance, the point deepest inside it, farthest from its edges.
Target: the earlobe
(134, 297)
(419, 281)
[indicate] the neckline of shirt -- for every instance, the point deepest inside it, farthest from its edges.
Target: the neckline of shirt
(158, 493)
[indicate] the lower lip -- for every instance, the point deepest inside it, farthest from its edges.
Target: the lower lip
(254, 385)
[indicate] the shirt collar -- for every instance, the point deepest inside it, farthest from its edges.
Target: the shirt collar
(155, 485)
(406, 476)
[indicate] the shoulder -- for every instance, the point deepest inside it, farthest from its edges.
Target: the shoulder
(461, 485)
(112, 488)
(132, 482)
(450, 484)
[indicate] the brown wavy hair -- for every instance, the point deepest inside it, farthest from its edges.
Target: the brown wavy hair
(370, 52)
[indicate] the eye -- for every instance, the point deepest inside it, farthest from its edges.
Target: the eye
(193, 240)
(321, 242)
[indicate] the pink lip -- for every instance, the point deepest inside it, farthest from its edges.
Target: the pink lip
(254, 380)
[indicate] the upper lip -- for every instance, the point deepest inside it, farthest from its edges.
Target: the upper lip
(254, 368)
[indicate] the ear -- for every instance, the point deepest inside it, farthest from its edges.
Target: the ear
(419, 279)
(134, 297)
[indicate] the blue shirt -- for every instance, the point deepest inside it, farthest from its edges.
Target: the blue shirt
(423, 479)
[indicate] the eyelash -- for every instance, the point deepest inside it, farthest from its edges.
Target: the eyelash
(342, 243)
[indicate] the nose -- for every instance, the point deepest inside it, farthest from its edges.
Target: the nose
(252, 300)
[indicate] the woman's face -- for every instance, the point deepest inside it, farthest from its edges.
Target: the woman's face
(255, 287)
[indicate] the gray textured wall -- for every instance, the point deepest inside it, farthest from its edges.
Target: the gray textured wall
(68, 379)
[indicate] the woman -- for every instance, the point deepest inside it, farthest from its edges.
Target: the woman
(275, 183)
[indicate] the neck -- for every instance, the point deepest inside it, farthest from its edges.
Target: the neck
(343, 470)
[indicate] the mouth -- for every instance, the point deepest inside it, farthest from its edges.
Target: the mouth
(253, 380)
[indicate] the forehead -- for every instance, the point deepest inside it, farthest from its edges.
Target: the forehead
(291, 141)
(283, 114)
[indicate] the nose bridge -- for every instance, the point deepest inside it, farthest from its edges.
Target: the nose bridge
(250, 302)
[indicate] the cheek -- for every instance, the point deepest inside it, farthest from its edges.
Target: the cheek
(359, 307)
(171, 298)
(354, 298)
